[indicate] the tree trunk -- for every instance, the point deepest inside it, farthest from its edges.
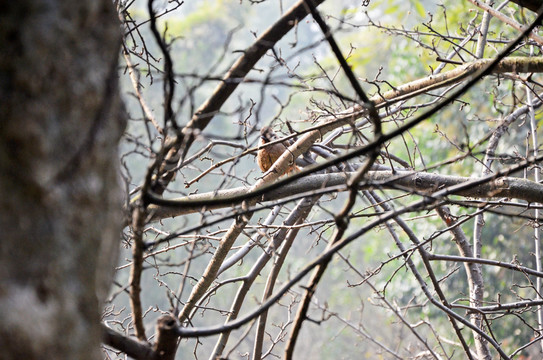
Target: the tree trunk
(60, 121)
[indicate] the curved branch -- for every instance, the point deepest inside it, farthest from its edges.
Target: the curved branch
(515, 64)
(268, 290)
(444, 303)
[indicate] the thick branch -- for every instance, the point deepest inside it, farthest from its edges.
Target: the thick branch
(166, 342)
(131, 347)
(164, 348)
(515, 64)
(480, 67)
(214, 265)
(135, 272)
(268, 291)
(510, 187)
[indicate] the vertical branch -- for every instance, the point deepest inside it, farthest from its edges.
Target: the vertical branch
(342, 224)
(169, 83)
(140, 204)
(493, 143)
(138, 219)
(137, 88)
(139, 210)
(488, 161)
(509, 21)
(537, 233)
(483, 31)
(166, 342)
(475, 271)
(184, 280)
(268, 291)
(475, 281)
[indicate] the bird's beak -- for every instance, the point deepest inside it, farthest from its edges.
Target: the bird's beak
(263, 138)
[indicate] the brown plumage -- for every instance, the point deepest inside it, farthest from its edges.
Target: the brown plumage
(267, 155)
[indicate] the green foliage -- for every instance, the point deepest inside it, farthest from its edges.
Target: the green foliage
(201, 34)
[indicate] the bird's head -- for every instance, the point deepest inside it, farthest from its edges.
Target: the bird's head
(267, 134)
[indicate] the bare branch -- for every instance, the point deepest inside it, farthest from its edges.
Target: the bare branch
(231, 80)
(419, 182)
(506, 20)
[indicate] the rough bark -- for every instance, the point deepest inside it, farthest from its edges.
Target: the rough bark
(60, 123)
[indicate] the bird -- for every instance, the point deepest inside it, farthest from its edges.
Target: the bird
(267, 155)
